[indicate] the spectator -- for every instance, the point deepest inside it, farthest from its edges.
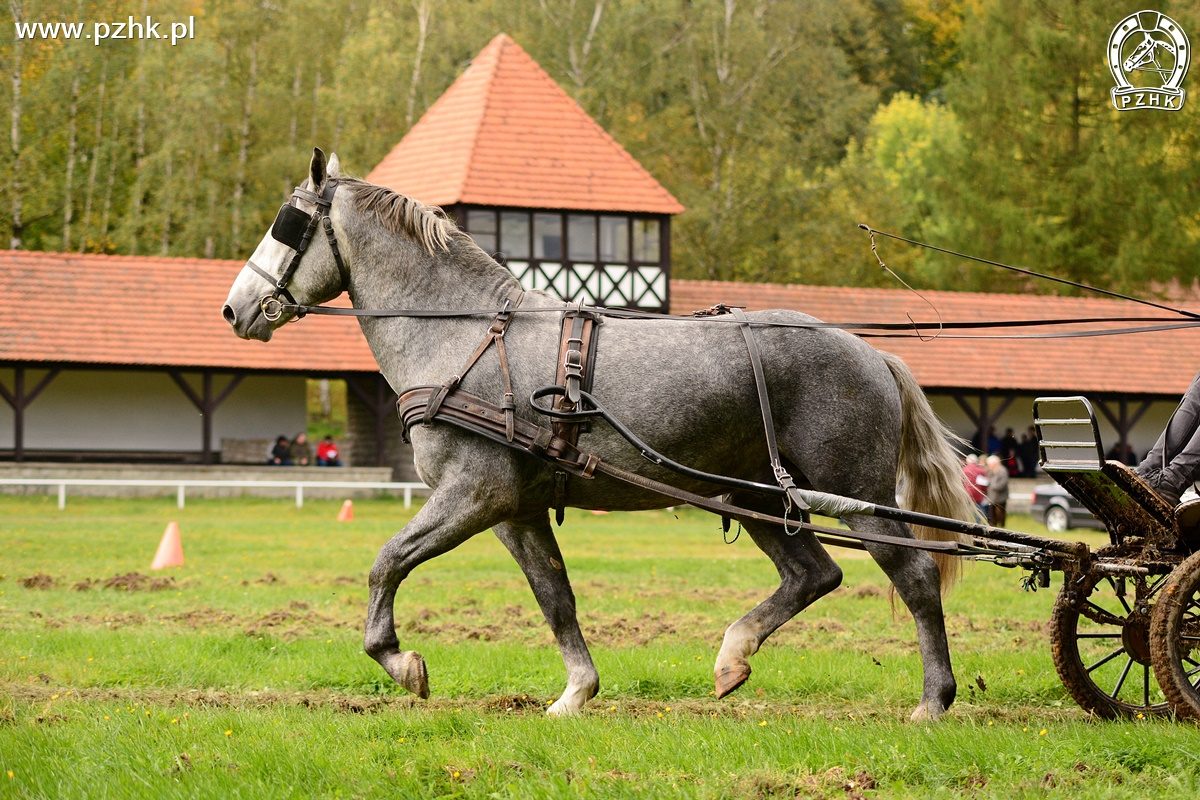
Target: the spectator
(993, 441)
(997, 491)
(280, 455)
(1008, 451)
(327, 453)
(976, 480)
(1028, 451)
(1123, 454)
(300, 452)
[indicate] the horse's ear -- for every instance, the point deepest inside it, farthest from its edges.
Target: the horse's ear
(316, 169)
(334, 167)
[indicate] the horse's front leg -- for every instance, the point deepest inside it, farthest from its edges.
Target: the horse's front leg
(455, 512)
(531, 542)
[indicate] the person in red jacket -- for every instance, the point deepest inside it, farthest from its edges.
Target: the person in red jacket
(327, 453)
(975, 477)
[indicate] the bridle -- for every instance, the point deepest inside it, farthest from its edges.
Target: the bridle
(295, 229)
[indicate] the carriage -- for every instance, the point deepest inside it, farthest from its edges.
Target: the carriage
(1127, 618)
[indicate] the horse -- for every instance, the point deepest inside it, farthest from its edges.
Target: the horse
(854, 420)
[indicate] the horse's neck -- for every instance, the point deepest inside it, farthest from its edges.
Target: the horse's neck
(414, 350)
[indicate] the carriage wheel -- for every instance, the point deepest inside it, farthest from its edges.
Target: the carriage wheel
(1175, 638)
(1100, 640)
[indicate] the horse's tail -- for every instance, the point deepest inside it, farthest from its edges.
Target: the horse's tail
(930, 472)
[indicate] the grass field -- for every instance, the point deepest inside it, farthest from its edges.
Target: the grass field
(241, 674)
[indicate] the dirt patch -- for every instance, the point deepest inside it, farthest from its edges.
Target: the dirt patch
(867, 590)
(623, 631)
(138, 582)
(516, 703)
(113, 621)
(268, 579)
(39, 581)
(290, 623)
(200, 618)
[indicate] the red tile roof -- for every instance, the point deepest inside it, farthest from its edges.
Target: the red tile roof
(1160, 363)
(145, 311)
(505, 134)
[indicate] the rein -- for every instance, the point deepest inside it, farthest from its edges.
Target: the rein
(884, 330)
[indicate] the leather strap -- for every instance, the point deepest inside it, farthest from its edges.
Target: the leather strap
(576, 355)
(782, 477)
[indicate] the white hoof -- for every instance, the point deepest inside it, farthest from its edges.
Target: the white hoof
(572, 701)
(927, 712)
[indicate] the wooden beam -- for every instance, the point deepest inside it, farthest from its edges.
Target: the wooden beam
(228, 390)
(8, 396)
(42, 384)
(382, 408)
(1112, 419)
(1137, 415)
(19, 414)
(972, 414)
(188, 391)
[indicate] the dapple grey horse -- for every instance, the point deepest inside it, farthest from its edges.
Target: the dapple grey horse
(849, 421)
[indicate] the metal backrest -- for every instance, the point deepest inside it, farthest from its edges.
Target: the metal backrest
(1068, 437)
(1072, 453)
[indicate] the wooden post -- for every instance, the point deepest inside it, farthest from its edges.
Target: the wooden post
(19, 399)
(206, 404)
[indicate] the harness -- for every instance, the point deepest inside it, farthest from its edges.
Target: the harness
(295, 228)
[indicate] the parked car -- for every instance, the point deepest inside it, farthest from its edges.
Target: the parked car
(1059, 511)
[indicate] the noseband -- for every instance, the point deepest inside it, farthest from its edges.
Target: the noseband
(295, 229)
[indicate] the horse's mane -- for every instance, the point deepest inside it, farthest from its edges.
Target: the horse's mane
(429, 225)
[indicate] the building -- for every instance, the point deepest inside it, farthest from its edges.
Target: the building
(127, 358)
(538, 183)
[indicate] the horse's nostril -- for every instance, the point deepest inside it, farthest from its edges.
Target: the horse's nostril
(228, 313)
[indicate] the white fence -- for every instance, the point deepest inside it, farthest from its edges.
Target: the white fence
(182, 485)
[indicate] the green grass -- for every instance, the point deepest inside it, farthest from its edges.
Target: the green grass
(244, 675)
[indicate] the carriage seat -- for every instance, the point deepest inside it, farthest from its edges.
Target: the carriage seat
(1071, 452)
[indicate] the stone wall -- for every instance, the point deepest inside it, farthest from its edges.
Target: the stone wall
(360, 436)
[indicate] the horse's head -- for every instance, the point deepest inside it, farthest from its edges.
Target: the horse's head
(297, 262)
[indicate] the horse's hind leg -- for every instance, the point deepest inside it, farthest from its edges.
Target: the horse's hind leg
(531, 542)
(806, 573)
(452, 515)
(917, 581)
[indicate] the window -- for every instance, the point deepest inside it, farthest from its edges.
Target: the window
(547, 236)
(646, 240)
(581, 237)
(614, 239)
(514, 234)
(482, 227)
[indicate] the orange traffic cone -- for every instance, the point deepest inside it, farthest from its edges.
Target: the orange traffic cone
(347, 512)
(170, 549)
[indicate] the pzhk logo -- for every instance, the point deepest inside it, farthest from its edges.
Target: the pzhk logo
(1148, 54)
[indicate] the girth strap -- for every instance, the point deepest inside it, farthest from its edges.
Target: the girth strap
(576, 356)
(782, 477)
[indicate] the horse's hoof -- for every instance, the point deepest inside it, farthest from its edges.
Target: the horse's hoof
(927, 712)
(412, 675)
(730, 678)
